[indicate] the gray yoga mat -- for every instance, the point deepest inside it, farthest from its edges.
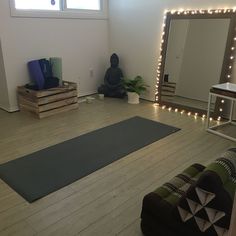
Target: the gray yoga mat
(56, 63)
(40, 173)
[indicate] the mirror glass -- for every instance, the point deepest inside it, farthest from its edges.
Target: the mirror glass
(194, 59)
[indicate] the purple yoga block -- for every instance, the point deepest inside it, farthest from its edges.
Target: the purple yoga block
(36, 73)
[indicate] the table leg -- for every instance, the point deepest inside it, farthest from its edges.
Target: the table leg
(208, 110)
(231, 111)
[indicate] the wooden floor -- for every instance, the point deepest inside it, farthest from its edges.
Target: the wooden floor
(107, 202)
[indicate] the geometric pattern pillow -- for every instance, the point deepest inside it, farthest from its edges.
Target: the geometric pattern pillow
(198, 212)
(207, 204)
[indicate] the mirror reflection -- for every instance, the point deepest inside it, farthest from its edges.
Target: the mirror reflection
(194, 59)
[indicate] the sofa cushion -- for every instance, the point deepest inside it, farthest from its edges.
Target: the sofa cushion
(158, 206)
(207, 205)
(196, 202)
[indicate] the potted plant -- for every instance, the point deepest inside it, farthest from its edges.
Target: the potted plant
(134, 87)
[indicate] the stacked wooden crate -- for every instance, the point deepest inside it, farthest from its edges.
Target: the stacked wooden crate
(48, 102)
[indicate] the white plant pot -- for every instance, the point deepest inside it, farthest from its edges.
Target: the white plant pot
(133, 98)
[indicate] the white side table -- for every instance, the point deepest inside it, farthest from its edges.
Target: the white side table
(225, 91)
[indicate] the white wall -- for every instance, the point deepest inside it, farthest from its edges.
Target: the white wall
(203, 57)
(175, 50)
(82, 44)
(135, 28)
(4, 102)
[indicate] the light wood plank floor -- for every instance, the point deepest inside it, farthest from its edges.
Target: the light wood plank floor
(107, 202)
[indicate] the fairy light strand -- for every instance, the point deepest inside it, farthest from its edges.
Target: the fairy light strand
(160, 63)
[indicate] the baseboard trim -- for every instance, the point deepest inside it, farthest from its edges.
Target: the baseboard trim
(90, 94)
(148, 100)
(10, 109)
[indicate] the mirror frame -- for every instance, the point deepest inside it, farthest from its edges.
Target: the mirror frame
(226, 71)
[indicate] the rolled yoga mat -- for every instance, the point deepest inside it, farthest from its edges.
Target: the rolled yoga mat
(56, 64)
(36, 73)
(46, 68)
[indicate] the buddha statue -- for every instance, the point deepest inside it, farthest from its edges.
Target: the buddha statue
(112, 86)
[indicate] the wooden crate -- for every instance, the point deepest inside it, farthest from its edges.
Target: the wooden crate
(48, 102)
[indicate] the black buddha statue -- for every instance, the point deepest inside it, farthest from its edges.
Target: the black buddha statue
(112, 86)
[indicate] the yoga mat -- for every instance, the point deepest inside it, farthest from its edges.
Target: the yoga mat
(46, 68)
(36, 73)
(40, 173)
(56, 63)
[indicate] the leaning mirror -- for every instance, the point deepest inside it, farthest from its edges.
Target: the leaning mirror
(196, 54)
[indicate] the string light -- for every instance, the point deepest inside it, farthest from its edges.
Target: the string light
(182, 11)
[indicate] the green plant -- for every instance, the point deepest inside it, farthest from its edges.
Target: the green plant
(136, 85)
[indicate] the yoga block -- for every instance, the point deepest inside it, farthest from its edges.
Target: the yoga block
(48, 102)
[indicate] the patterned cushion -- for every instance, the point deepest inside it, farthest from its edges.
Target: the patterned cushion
(158, 206)
(208, 203)
(196, 202)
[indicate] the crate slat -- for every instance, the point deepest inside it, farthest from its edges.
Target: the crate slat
(61, 103)
(58, 110)
(25, 101)
(46, 92)
(57, 97)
